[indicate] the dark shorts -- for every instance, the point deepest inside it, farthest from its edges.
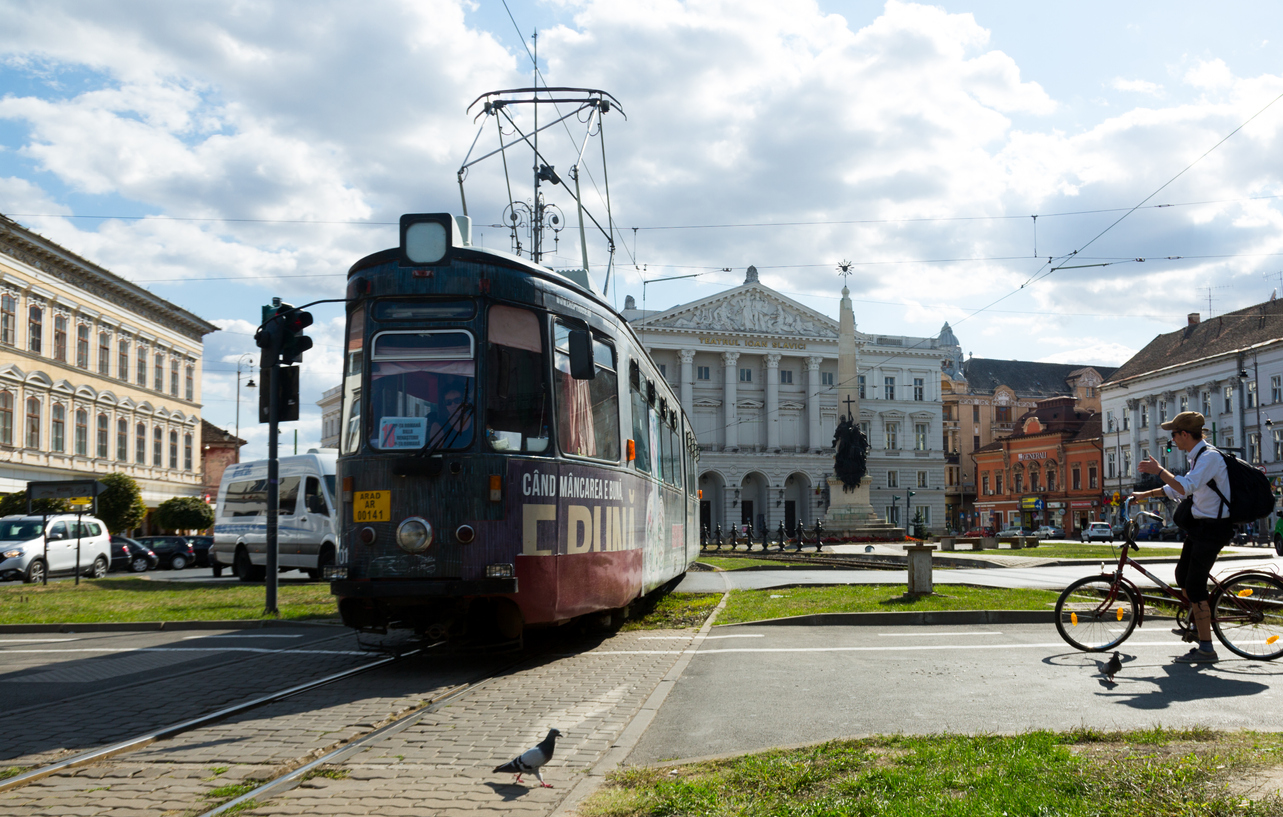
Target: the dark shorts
(1203, 543)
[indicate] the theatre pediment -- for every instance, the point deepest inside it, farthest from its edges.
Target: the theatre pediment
(750, 308)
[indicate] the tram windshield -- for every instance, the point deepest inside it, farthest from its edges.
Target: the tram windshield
(422, 389)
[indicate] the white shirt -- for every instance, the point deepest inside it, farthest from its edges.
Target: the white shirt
(1210, 466)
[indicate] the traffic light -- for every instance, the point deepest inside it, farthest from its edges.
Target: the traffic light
(281, 333)
(295, 342)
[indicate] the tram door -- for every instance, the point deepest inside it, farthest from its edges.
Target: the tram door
(790, 514)
(746, 512)
(705, 515)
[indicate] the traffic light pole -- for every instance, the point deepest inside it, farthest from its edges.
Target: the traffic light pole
(273, 489)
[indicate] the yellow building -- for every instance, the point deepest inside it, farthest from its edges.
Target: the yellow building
(97, 375)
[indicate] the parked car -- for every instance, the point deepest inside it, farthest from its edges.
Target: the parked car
(174, 552)
(1148, 532)
(201, 544)
(1098, 532)
(126, 554)
(1016, 531)
(1050, 532)
(1171, 533)
(977, 533)
(33, 547)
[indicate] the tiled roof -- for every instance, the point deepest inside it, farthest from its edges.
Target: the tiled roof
(211, 434)
(1219, 335)
(1025, 377)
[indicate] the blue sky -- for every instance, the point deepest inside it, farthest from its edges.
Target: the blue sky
(914, 140)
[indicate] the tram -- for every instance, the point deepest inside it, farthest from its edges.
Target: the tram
(510, 454)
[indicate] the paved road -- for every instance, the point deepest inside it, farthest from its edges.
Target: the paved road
(750, 688)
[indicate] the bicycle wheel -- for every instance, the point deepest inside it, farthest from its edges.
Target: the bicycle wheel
(1094, 614)
(1247, 615)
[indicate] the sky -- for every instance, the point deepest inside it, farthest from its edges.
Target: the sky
(223, 153)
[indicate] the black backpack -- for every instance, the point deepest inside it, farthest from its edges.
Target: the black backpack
(1251, 495)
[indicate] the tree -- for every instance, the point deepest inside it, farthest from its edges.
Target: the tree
(919, 522)
(184, 513)
(16, 503)
(120, 505)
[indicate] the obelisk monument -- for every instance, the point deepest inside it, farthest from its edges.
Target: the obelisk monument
(850, 513)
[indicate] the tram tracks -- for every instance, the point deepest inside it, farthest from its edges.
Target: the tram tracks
(147, 738)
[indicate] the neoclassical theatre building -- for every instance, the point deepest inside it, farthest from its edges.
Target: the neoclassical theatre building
(757, 374)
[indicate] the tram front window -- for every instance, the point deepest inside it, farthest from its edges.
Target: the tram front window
(422, 389)
(516, 382)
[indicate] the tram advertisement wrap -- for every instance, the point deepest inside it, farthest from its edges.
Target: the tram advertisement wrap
(569, 510)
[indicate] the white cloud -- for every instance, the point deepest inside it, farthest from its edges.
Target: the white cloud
(1139, 86)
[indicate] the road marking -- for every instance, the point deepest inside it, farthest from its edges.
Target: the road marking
(197, 649)
(195, 637)
(915, 635)
(34, 640)
(706, 638)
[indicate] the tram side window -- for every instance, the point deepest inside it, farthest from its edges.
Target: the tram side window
(587, 410)
(672, 456)
(517, 405)
(422, 389)
(247, 498)
(351, 428)
(641, 431)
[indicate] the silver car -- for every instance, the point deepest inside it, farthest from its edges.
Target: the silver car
(32, 547)
(1098, 532)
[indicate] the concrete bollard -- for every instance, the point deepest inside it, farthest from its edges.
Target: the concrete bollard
(920, 581)
(948, 543)
(989, 543)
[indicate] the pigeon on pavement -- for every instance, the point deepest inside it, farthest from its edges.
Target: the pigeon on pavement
(1115, 665)
(530, 760)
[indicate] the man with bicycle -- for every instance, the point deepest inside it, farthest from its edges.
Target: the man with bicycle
(1200, 515)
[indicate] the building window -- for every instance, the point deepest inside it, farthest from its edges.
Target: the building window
(191, 382)
(1254, 447)
(82, 346)
(893, 479)
(58, 428)
(786, 376)
(60, 338)
(860, 381)
(1018, 482)
(1109, 421)
(157, 447)
(33, 423)
(826, 379)
(1162, 411)
(173, 377)
(1077, 478)
(1229, 441)
(920, 436)
(1276, 389)
(158, 374)
(1278, 445)
(975, 413)
(1127, 462)
(1111, 464)
(893, 514)
(746, 375)
(1184, 402)
(919, 389)
(1144, 415)
(892, 436)
(864, 429)
(187, 452)
(1051, 479)
(104, 353)
(82, 433)
(35, 325)
(1207, 403)
(1033, 480)
(8, 318)
(6, 418)
(1092, 482)
(663, 371)
(1144, 454)
(1002, 414)
(122, 360)
(888, 388)
(103, 426)
(142, 365)
(922, 479)
(1251, 394)
(1127, 423)
(984, 484)
(701, 373)
(997, 483)
(122, 440)
(173, 450)
(975, 442)
(1229, 399)
(140, 444)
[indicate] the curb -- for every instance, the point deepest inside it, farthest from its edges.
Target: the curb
(156, 626)
(909, 617)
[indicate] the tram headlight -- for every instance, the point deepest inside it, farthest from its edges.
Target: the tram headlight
(414, 535)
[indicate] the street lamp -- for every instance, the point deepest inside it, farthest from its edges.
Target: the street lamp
(248, 385)
(907, 497)
(895, 503)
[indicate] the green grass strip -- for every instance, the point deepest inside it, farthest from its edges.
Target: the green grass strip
(133, 599)
(1075, 774)
(757, 605)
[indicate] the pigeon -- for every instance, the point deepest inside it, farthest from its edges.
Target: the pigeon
(1115, 665)
(531, 759)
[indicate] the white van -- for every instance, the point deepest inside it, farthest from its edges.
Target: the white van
(307, 521)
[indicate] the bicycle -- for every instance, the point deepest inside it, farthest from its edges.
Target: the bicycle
(1097, 613)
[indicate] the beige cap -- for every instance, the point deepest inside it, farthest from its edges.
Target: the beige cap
(1190, 421)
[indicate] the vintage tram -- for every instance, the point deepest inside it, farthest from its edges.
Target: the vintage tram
(510, 456)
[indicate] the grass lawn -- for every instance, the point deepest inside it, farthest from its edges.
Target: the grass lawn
(1104, 550)
(1142, 773)
(756, 605)
(671, 611)
(741, 562)
(143, 600)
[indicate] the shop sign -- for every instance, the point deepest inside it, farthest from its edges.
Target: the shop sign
(1083, 503)
(1031, 455)
(1055, 504)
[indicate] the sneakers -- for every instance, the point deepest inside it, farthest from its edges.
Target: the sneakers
(1197, 656)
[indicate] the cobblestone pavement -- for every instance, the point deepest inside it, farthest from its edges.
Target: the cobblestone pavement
(441, 765)
(105, 690)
